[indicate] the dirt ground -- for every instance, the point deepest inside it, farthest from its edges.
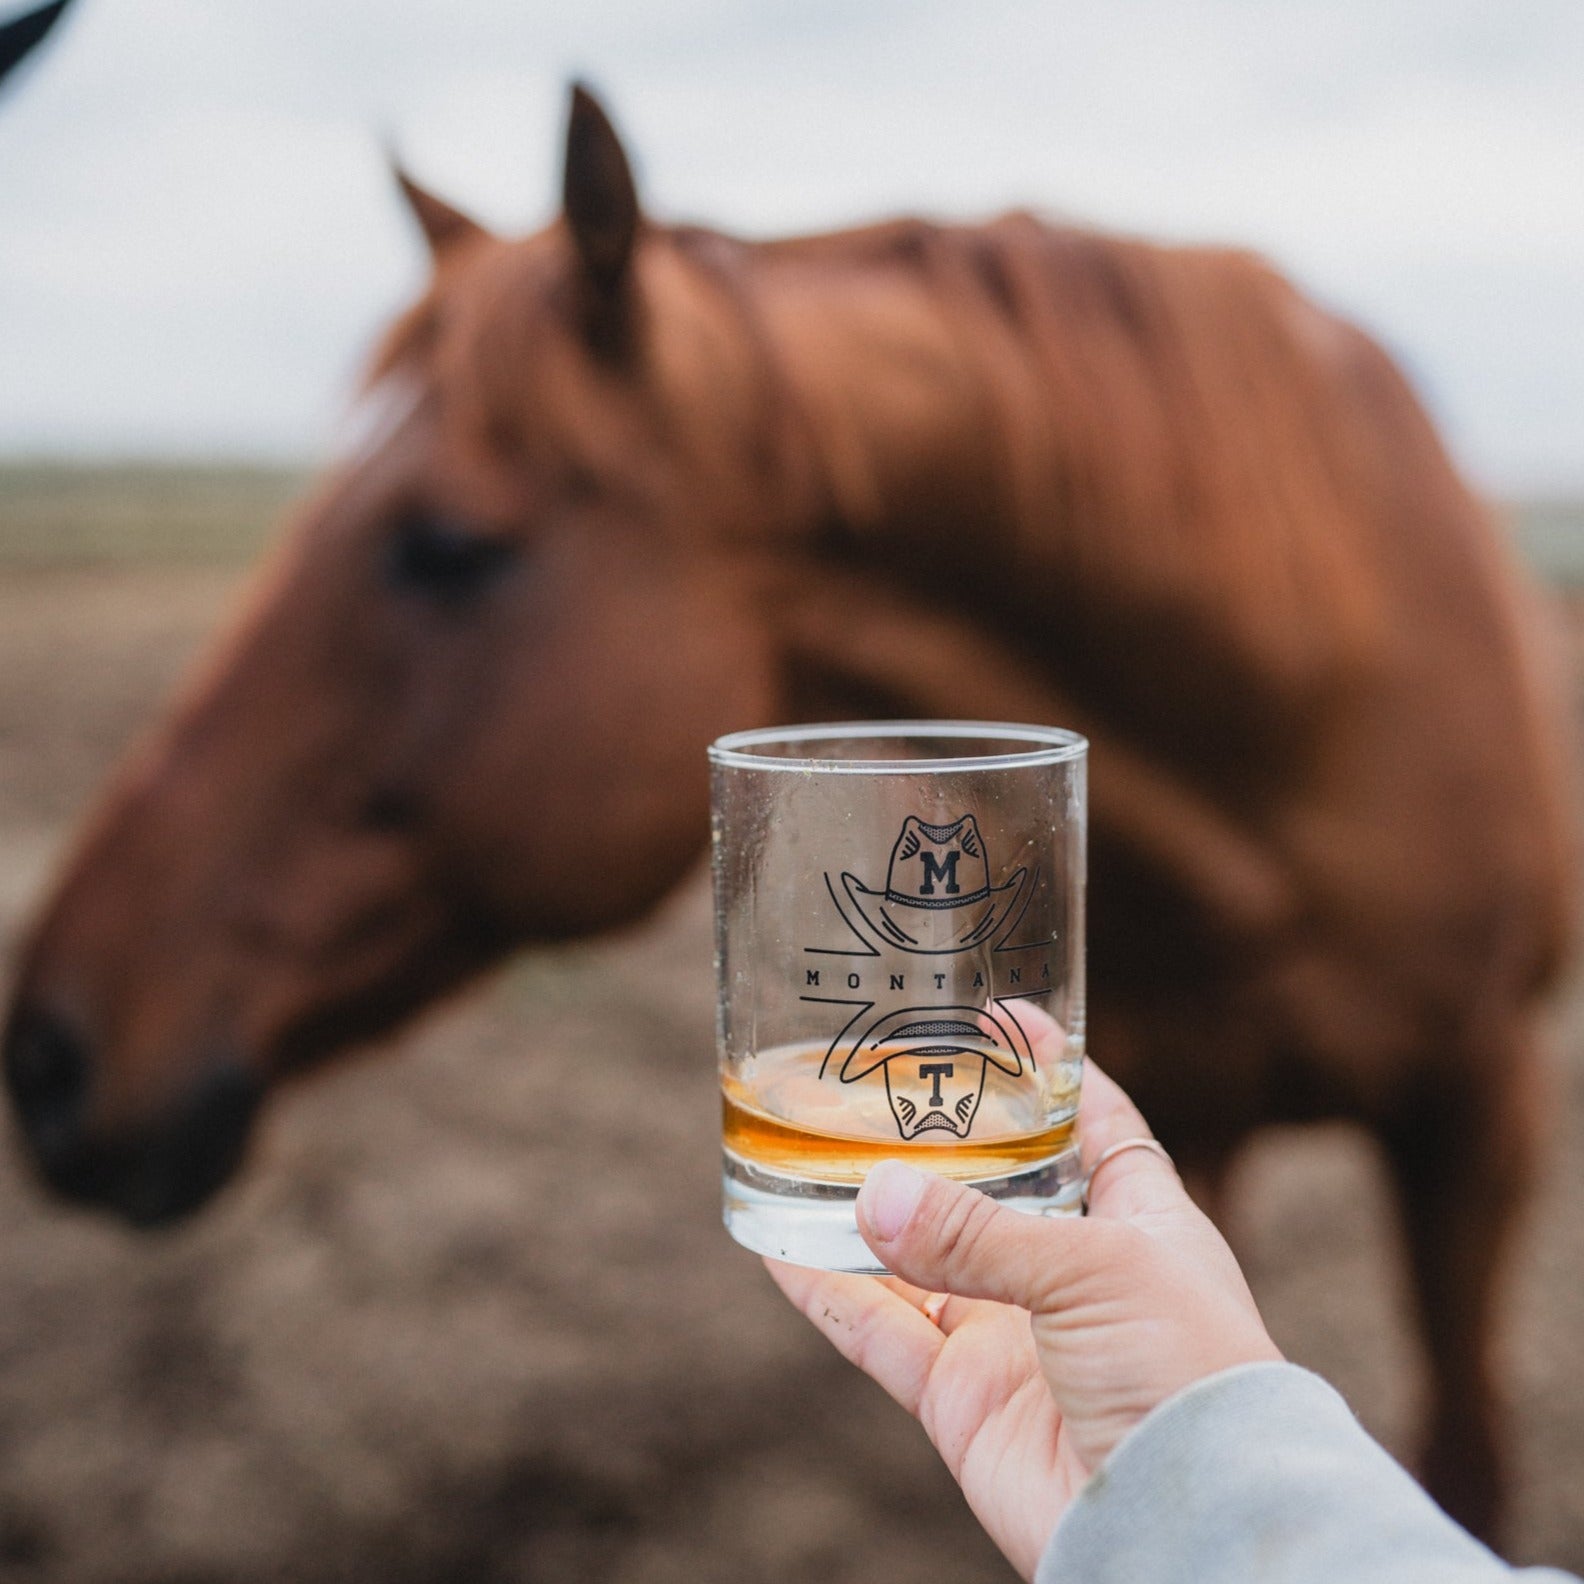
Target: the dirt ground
(470, 1315)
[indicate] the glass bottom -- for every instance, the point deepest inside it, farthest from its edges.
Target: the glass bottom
(814, 1223)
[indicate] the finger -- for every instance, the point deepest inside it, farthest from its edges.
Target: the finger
(1105, 1114)
(942, 1310)
(1134, 1180)
(948, 1237)
(904, 1290)
(1047, 1038)
(869, 1325)
(945, 1311)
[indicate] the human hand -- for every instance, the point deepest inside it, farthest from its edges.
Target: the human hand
(1113, 1314)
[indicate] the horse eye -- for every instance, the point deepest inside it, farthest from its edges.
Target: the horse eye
(445, 558)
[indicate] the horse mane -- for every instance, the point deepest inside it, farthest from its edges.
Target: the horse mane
(1190, 459)
(1188, 462)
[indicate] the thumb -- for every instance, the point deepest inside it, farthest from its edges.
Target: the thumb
(947, 1237)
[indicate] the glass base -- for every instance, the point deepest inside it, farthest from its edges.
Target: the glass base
(813, 1223)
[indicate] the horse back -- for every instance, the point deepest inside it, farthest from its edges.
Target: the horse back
(1243, 550)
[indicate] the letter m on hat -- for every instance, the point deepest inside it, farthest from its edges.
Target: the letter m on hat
(937, 895)
(938, 865)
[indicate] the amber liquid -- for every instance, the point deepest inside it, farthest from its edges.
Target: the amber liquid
(784, 1118)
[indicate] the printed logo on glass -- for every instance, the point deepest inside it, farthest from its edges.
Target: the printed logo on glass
(925, 1022)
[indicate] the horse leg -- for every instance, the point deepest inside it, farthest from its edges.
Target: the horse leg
(1464, 1159)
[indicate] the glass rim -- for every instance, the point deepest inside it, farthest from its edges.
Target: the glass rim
(1048, 745)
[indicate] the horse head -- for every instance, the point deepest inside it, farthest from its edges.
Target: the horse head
(465, 706)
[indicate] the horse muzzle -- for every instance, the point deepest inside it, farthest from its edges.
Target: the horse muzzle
(151, 1174)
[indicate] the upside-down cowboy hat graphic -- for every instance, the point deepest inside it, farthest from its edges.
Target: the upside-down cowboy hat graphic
(937, 898)
(938, 901)
(935, 1061)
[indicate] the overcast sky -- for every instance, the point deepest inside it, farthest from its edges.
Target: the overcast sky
(198, 239)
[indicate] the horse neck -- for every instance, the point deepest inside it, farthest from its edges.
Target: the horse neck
(889, 442)
(877, 364)
(1131, 466)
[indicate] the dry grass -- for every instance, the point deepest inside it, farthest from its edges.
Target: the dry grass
(221, 514)
(69, 514)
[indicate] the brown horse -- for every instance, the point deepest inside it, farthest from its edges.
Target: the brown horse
(642, 484)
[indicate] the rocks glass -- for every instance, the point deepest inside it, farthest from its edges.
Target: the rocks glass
(899, 928)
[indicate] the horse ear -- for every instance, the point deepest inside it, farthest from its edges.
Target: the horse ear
(443, 227)
(598, 194)
(25, 33)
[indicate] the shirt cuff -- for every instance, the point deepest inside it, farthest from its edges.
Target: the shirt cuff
(1258, 1473)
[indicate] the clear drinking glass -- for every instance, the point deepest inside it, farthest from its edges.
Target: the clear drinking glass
(899, 928)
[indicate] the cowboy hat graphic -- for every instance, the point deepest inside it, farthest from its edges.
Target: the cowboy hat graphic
(935, 1060)
(938, 897)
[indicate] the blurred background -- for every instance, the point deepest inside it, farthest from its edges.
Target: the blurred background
(455, 1322)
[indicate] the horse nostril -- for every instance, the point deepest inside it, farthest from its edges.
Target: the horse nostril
(48, 1071)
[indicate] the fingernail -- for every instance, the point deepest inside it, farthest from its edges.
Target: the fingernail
(890, 1195)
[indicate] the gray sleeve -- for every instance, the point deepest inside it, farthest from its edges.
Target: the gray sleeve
(1261, 1474)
